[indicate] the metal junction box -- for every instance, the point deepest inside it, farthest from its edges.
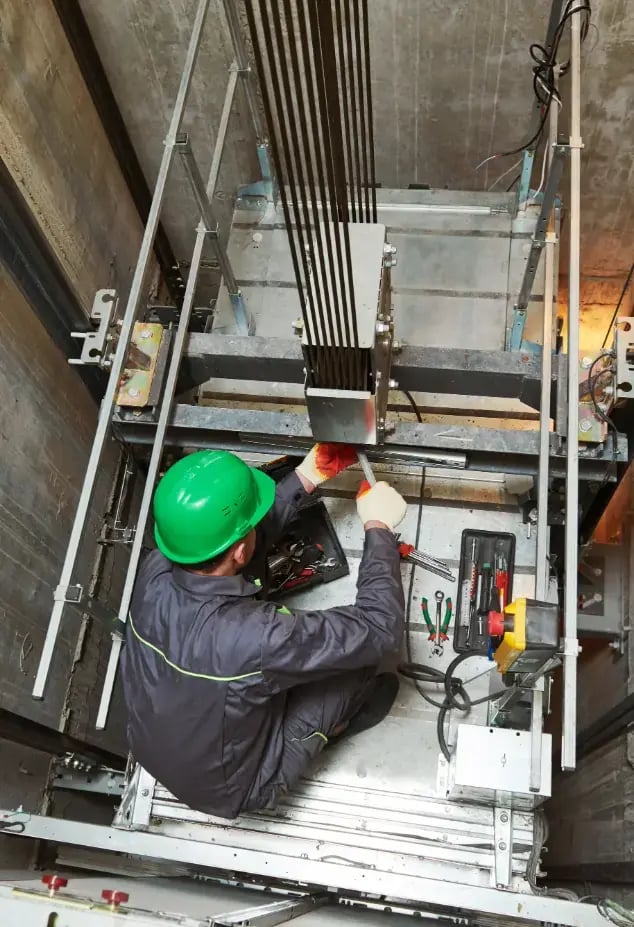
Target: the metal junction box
(491, 765)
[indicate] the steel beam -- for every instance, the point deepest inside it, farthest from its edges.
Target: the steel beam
(448, 896)
(543, 531)
(502, 450)
(571, 646)
(427, 370)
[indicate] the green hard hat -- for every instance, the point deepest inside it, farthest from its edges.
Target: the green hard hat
(206, 502)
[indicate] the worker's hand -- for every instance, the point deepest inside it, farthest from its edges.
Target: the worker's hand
(323, 462)
(380, 506)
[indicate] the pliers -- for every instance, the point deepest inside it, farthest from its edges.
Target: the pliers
(445, 622)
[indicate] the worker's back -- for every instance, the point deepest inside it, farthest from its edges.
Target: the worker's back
(202, 718)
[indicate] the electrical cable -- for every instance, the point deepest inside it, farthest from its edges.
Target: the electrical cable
(505, 174)
(413, 404)
(455, 694)
(615, 913)
(371, 179)
(592, 383)
(9, 827)
(281, 55)
(545, 63)
(618, 305)
(277, 153)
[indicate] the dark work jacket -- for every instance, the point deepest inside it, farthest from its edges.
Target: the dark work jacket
(207, 667)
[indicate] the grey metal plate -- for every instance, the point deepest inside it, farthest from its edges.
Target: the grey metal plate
(450, 286)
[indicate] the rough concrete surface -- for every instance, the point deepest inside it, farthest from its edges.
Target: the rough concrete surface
(47, 421)
(142, 45)
(452, 83)
(57, 151)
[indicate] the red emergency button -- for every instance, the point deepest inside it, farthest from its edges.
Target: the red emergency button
(54, 883)
(496, 624)
(114, 898)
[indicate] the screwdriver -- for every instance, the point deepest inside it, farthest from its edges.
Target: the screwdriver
(502, 580)
(408, 551)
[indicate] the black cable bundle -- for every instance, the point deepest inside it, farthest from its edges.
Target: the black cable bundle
(313, 61)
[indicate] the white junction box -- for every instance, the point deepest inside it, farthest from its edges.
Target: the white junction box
(491, 765)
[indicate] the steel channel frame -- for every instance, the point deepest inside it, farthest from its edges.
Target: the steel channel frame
(502, 374)
(434, 893)
(571, 646)
(207, 231)
(460, 446)
(541, 555)
(108, 404)
(542, 571)
(539, 236)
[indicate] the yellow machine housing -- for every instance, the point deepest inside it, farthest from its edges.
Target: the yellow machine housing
(531, 636)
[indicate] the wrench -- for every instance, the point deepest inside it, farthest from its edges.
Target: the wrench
(438, 647)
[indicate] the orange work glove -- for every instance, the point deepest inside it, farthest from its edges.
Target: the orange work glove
(325, 461)
(381, 503)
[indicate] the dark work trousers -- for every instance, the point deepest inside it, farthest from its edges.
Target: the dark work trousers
(313, 712)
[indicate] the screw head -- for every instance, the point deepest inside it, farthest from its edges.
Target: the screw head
(146, 334)
(132, 391)
(145, 793)
(586, 362)
(298, 326)
(393, 384)
(54, 883)
(585, 426)
(504, 817)
(501, 845)
(381, 328)
(114, 898)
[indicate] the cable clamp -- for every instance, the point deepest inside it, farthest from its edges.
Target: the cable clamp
(576, 142)
(571, 647)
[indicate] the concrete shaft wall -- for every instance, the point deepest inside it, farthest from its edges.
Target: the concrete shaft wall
(58, 154)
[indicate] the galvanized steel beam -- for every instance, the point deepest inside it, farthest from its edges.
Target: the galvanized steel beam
(460, 372)
(501, 450)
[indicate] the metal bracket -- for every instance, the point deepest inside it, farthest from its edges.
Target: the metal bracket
(117, 534)
(97, 345)
(537, 721)
(244, 321)
(272, 914)
(525, 178)
(537, 245)
(624, 347)
(72, 594)
(98, 779)
(503, 846)
(260, 189)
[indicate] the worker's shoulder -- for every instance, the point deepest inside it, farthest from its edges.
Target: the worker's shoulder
(153, 564)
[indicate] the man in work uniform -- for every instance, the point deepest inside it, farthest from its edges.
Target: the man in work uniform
(230, 697)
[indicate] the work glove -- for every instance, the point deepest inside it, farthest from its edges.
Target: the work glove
(325, 461)
(380, 502)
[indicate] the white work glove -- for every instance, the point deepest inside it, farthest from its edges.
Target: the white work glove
(326, 460)
(382, 503)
